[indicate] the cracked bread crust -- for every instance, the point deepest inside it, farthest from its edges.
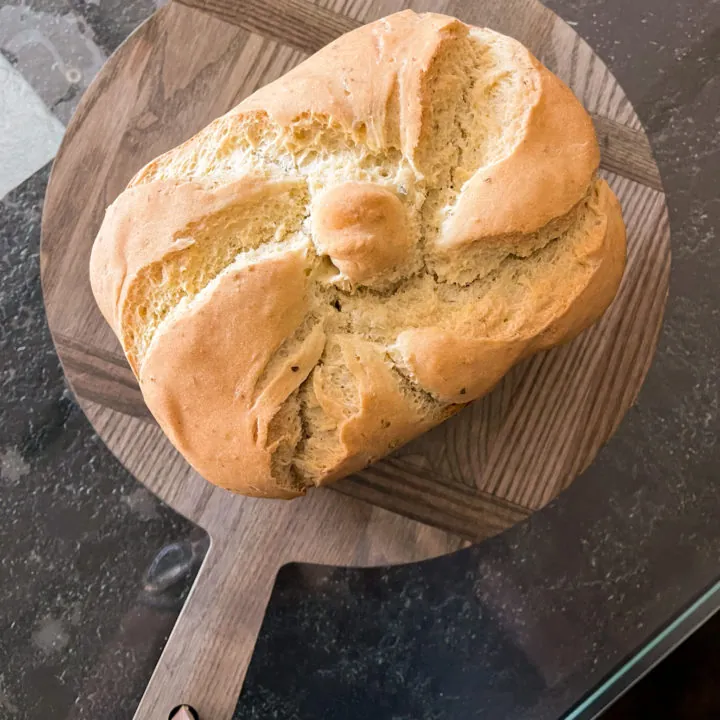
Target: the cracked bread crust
(357, 250)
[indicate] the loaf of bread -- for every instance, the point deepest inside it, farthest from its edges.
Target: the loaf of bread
(356, 251)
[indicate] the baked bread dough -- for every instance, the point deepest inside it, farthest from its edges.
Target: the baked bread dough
(356, 251)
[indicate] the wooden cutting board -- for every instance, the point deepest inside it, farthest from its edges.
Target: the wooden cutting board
(484, 470)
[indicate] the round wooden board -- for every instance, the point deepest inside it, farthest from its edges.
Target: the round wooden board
(486, 469)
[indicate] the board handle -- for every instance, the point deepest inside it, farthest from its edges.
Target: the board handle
(207, 655)
(208, 652)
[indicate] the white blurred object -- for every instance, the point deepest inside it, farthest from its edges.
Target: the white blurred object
(29, 133)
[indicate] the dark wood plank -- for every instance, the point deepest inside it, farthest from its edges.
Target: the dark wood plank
(101, 377)
(404, 488)
(297, 23)
(626, 152)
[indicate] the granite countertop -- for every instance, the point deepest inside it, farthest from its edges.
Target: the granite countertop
(94, 569)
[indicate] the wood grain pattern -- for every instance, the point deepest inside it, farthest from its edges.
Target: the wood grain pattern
(486, 469)
(295, 23)
(626, 152)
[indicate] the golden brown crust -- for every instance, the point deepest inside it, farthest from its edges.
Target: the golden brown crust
(457, 366)
(200, 375)
(546, 174)
(383, 419)
(356, 250)
(369, 81)
(364, 230)
(148, 224)
(604, 250)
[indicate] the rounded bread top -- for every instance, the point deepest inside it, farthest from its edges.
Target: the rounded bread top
(356, 250)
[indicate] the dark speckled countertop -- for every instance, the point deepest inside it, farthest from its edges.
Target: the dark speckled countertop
(94, 569)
